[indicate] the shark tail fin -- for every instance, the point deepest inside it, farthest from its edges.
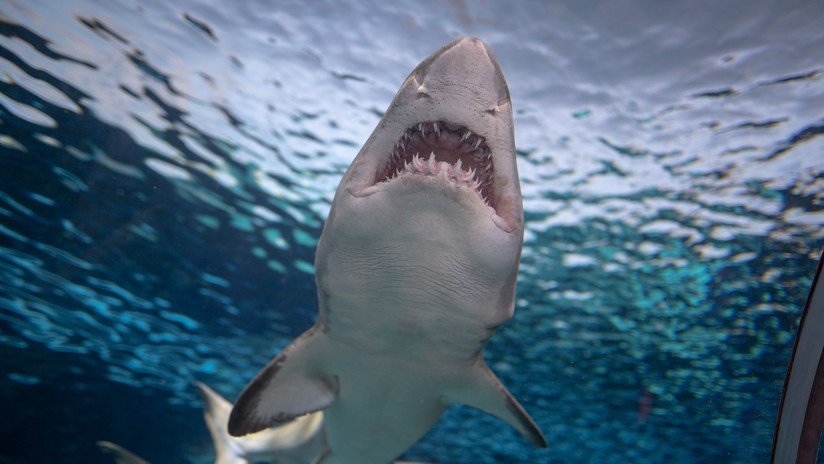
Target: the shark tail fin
(121, 455)
(291, 385)
(483, 390)
(216, 411)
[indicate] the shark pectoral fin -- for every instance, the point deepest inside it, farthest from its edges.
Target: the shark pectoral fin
(216, 415)
(484, 391)
(289, 386)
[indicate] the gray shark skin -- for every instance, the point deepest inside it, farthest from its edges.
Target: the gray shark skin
(415, 268)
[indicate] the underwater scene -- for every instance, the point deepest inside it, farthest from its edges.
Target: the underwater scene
(166, 169)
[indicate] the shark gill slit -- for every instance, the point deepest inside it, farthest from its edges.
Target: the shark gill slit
(429, 147)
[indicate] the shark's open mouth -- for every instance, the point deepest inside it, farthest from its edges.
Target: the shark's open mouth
(441, 148)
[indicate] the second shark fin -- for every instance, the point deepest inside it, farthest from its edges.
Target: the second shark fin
(216, 411)
(289, 386)
(484, 391)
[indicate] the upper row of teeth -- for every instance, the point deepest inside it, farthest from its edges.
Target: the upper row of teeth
(436, 128)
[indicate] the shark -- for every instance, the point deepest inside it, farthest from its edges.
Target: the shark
(297, 442)
(416, 269)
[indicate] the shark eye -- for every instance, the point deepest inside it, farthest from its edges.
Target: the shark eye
(429, 148)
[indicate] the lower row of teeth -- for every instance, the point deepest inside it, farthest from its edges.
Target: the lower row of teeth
(453, 171)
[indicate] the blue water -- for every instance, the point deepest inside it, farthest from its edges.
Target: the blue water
(166, 168)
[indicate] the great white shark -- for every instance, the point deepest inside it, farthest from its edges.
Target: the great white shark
(415, 269)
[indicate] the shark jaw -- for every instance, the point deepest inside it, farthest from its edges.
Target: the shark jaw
(453, 151)
(462, 157)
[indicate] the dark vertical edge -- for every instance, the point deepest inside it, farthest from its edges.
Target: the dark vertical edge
(818, 375)
(813, 419)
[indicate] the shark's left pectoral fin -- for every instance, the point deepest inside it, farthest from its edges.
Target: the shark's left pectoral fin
(483, 390)
(290, 386)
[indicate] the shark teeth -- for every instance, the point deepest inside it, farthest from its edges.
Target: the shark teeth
(452, 172)
(454, 152)
(431, 163)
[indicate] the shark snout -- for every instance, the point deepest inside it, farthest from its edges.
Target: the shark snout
(467, 67)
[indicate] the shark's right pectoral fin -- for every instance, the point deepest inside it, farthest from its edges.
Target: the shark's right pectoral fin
(290, 386)
(483, 390)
